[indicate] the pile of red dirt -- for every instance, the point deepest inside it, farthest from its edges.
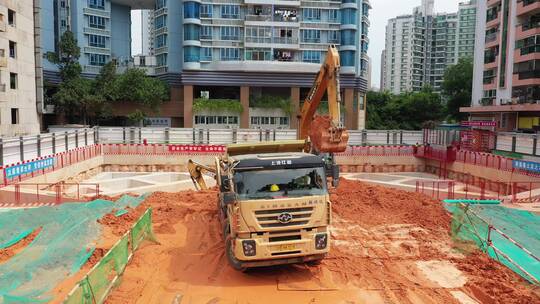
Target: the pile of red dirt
(373, 205)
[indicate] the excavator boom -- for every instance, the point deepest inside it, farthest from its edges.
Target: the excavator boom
(196, 171)
(325, 132)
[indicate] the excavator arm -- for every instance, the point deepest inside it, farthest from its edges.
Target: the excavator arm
(325, 132)
(196, 171)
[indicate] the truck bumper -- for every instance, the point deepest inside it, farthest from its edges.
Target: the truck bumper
(266, 252)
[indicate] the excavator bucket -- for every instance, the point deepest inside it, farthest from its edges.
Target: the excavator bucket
(326, 137)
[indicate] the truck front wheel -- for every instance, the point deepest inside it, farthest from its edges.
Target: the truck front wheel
(233, 261)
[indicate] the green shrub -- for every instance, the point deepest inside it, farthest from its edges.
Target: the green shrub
(217, 105)
(272, 102)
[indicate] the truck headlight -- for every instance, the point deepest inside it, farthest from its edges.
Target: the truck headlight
(321, 240)
(249, 247)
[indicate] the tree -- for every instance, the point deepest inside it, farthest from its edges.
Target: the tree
(67, 57)
(135, 86)
(408, 111)
(457, 87)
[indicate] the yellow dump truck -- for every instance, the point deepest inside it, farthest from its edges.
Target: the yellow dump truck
(274, 207)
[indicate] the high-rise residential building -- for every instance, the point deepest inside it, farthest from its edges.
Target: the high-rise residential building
(506, 85)
(419, 47)
(18, 111)
(242, 50)
(101, 27)
(147, 32)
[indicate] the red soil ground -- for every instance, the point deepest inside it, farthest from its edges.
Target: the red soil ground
(388, 246)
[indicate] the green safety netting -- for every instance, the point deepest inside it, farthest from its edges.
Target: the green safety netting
(99, 281)
(508, 235)
(67, 239)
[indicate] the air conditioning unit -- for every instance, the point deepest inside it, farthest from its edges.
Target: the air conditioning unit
(48, 109)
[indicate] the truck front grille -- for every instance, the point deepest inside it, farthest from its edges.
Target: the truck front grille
(270, 218)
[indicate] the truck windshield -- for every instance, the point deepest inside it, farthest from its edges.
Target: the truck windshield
(269, 184)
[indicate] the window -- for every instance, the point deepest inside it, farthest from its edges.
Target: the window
(347, 58)
(284, 120)
(191, 10)
(161, 40)
(230, 11)
(258, 34)
(311, 56)
(333, 36)
(98, 59)
(206, 32)
(258, 54)
(14, 116)
(63, 23)
(192, 54)
(333, 15)
(12, 49)
(348, 37)
(160, 21)
(191, 32)
(311, 14)
(96, 41)
(96, 22)
(11, 17)
(229, 54)
(206, 11)
(348, 16)
(13, 81)
(63, 4)
(98, 4)
(230, 33)
(313, 36)
(161, 60)
(206, 54)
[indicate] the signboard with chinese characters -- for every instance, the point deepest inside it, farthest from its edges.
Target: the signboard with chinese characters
(526, 165)
(158, 122)
(29, 167)
(479, 123)
(197, 148)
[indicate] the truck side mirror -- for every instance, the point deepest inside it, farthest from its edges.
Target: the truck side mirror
(335, 175)
(225, 184)
(229, 198)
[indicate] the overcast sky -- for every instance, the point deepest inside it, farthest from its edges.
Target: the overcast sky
(379, 15)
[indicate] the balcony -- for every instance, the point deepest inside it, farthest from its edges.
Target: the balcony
(531, 78)
(527, 7)
(493, 20)
(487, 101)
(527, 30)
(274, 2)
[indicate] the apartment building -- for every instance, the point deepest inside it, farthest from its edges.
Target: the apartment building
(18, 112)
(241, 50)
(506, 84)
(420, 46)
(102, 29)
(245, 51)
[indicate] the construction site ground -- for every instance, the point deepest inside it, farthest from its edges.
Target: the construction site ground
(388, 246)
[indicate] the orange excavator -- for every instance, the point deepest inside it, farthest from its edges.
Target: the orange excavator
(325, 133)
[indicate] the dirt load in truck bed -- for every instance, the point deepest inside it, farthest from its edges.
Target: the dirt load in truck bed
(388, 246)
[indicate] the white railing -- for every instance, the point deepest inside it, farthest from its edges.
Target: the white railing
(227, 136)
(19, 149)
(58, 140)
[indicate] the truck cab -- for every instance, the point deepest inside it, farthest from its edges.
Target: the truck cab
(274, 208)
